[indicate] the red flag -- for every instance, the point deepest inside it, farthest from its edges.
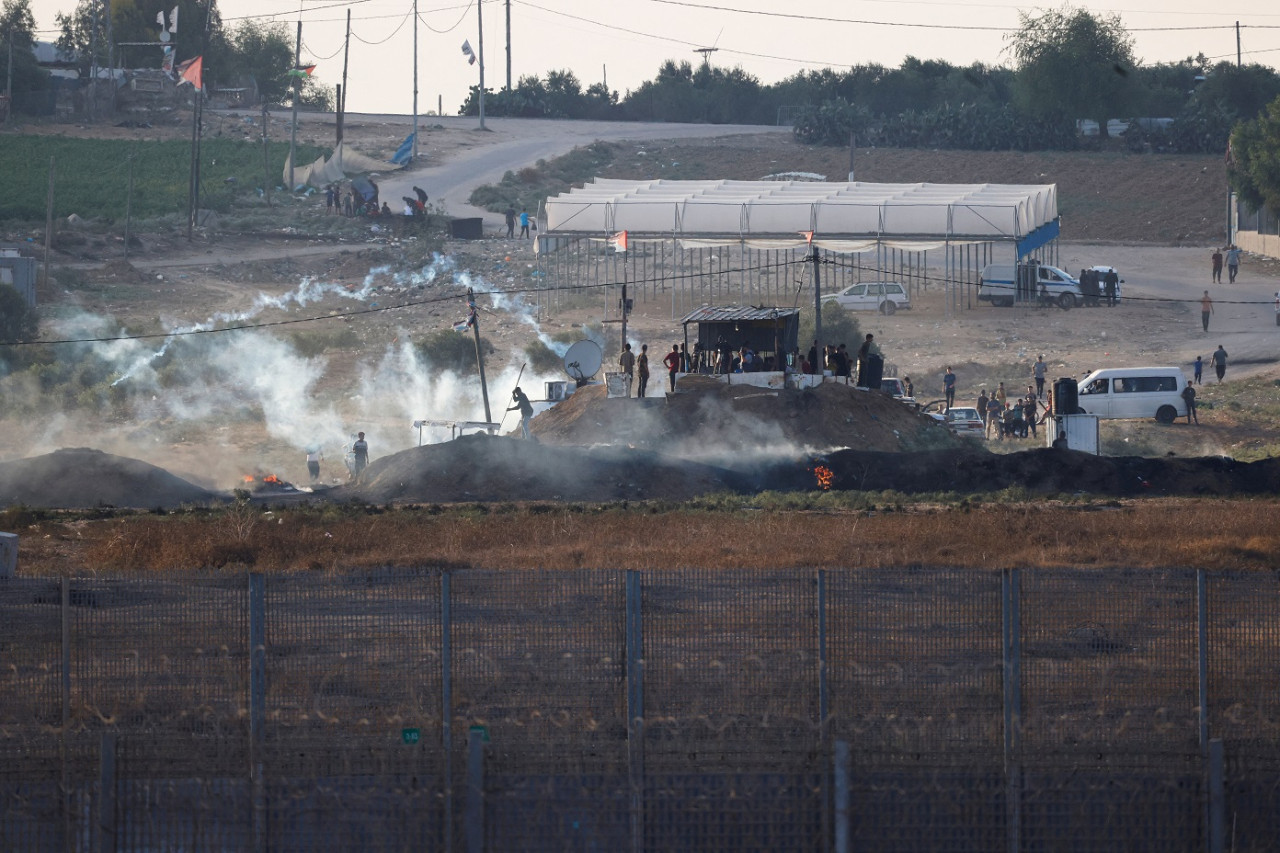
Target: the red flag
(808, 237)
(619, 241)
(193, 71)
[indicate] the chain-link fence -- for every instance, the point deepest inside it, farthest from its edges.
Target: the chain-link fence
(907, 709)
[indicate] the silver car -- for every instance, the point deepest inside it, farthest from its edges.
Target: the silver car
(883, 296)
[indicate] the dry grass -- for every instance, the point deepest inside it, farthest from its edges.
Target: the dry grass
(1210, 534)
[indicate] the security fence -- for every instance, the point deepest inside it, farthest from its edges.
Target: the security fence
(917, 709)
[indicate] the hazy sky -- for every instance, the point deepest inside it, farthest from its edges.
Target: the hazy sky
(625, 41)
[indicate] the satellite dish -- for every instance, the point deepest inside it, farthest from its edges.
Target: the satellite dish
(582, 361)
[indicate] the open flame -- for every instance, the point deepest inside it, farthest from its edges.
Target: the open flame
(824, 476)
(271, 479)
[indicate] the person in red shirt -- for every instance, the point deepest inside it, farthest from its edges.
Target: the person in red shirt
(672, 361)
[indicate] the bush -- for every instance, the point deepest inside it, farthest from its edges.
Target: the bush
(450, 350)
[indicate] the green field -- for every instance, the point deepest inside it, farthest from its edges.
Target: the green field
(91, 176)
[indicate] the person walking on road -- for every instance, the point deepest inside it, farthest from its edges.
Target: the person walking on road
(1037, 371)
(1217, 266)
(949, 388)
(1198, 367)
(1219, 359)
(509, 215)
(1233, 263)
(627, 361)
(1206, 308)
(360, 455)
(524, 224)
(673, 363)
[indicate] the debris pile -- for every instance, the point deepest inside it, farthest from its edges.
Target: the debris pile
(82, 478)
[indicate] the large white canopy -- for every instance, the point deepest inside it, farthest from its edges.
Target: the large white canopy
(772, 208)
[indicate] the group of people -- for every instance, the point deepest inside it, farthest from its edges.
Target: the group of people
(1096, 286)
(352, 203)
(1219, 359)
(1017, 418)
(357, 458)
(1232, 259)
(509, 215)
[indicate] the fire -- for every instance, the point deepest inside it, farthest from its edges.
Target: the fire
(248, 478)
(271, 478)
(825, 475)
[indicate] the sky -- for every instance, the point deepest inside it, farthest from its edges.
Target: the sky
(623, 42)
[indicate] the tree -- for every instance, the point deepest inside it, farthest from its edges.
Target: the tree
(16, 20)
(1071, 64)
(265, 51)
(18, 320)
(135, 21)
(1254, 159)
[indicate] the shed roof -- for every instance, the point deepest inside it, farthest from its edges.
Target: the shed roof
(734, 313)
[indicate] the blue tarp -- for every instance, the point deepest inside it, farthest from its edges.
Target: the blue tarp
(404, 153)
(1037, 238)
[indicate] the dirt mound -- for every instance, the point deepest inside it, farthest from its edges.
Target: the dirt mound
(1041, 471)
(84, 478)
(706, 414)
(483, 468)
(119, 272)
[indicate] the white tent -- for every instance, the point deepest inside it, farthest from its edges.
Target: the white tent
(747, 209)
(336, 168)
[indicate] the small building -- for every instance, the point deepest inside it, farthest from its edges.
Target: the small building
(768, 332)
(19, 273)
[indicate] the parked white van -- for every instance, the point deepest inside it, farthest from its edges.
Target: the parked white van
(1134, 392)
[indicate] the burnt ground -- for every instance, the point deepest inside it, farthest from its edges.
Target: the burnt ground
(708, 439)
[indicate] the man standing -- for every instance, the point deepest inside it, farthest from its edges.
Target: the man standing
(1111, 286)
(672, 361)
(1217, 266)
(1198, 367)
(628, 364)
(1189, 394)
(1219, 359)
(526, 410)
(982, 408)
(642, 367)
(313, 463)
(360, 453)
(1037, 371)
(1206, 308)
(510, 215)
(949, 388)
(524, 224)
(1233, 263)
(813, 358)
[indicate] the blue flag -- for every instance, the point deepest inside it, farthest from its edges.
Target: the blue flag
(404, 153)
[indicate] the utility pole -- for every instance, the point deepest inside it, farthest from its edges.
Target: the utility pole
(1237, 44)
(93, 64)
(48, 224)
(198, 109)
(346, 49)
(817, 295)
(414, 155)
(508, 45)
(266, 158)
(475, 326)
(128, 205)
(297, 89)
(480, 55)
(8, 81)
(623, 305)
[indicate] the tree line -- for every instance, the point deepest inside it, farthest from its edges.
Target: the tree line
(1066, 65)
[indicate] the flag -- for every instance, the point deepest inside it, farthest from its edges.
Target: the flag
(192, 71)
(404, 153)
(619, 241)
(468, 52)
(173, 20)
(463, 325)
(302, 71)
(808, 237)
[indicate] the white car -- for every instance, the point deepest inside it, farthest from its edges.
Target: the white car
(962, 420)
(883, 296)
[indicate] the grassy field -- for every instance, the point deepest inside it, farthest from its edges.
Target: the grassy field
(766, 531)
(91, 176)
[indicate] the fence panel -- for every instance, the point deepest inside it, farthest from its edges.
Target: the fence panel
(1244, 648)
(1109, 659)
(147, 653)
(915, 660)
(31, 649)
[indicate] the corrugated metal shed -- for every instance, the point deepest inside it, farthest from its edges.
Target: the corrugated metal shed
(734, 314)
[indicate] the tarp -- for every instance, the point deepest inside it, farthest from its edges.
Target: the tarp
(404, 153)
(335, 168)
(834, 210)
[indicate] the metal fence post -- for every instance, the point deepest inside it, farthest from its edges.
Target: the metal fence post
(257, 708)
(842, 796)
(106, 830)
(446, 704)
(635, 708)
(824, 732)
(1202, 652)
(68, 836)
(1217, 839)
(8, 555)
(1011, 652)
(475, 790)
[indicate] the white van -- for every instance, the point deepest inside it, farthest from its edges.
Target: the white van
(1134, 392)
(1000, 285)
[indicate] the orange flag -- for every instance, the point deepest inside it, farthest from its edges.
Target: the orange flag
(619, 241)
(808, 237)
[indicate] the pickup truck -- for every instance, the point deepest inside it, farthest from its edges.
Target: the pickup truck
(1004, 284)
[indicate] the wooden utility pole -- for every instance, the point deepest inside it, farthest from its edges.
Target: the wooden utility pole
(474, 316)
(297, 90)
(342, 96)
(48, 224)
(817, 295)
(128, 206)
(480, 56)
(413, 155)
(508, 45)
(1237, 44)
(266, 157)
